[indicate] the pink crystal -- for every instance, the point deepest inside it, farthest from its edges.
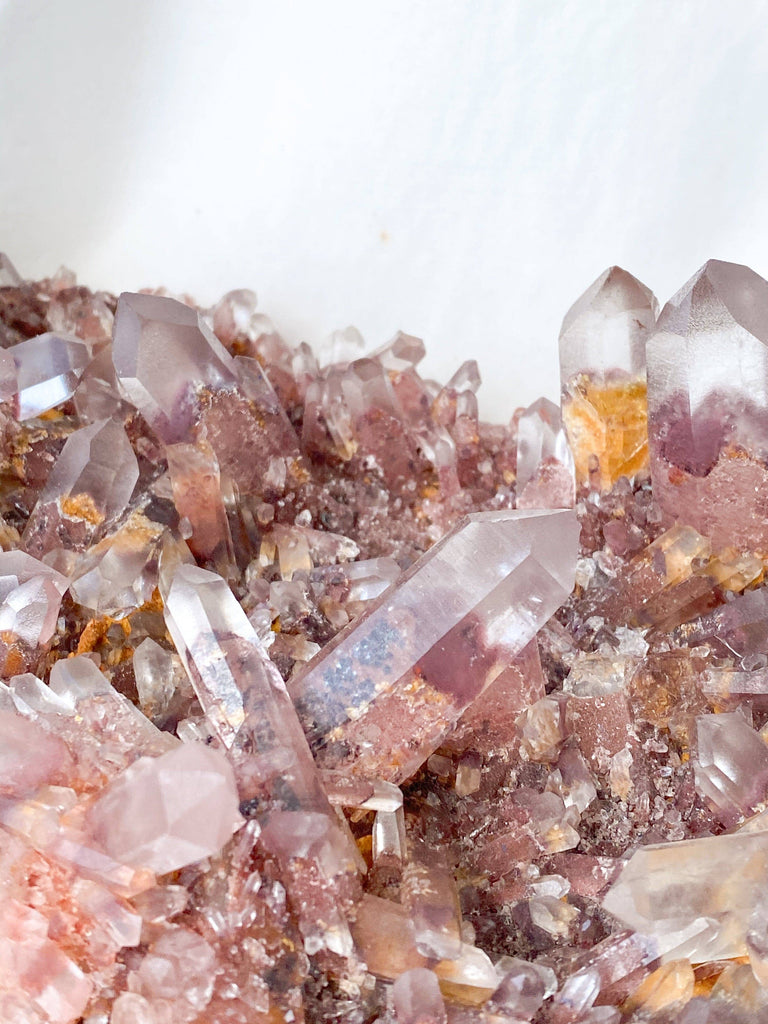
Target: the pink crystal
(709, 438)
(440, 634)
(89, 486)
(417, 999)
(165, 812)
(730, 765)
(36, 966)
(545, 474)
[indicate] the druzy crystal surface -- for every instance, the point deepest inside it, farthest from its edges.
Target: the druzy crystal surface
(323, 700)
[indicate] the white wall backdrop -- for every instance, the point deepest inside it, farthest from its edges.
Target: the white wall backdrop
(460, 169)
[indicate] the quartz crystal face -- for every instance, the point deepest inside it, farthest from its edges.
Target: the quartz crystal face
(602, 376)
(324, 700)
(709, 428)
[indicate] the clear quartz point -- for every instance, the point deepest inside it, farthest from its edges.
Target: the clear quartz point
(602, 377)
(545, 472)
(89, 486)
(708, 429)
(47, 370)
(694, 898)
(245, 699)
(379, 698)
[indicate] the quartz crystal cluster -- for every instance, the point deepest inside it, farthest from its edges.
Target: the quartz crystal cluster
(324, 700)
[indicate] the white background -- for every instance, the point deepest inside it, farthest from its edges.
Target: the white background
(460, 169)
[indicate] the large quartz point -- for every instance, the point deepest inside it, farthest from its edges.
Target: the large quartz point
(88, 487)
(602, 376)
(708, 405)
(697, 898)
(381, 696)
(176, 372)
(247, 703)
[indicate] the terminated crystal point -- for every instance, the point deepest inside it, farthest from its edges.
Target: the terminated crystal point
(606, 329)
(545, 472)
(245, 699)
(708, 405)
(694, 898)
(380, 697)
(163, 351)
(176, 372)
(166, 812)
(89, 486)
(602, 376)
(417, 999)
(30, 596)
(730, 765)
(42, 372)
(9, 275)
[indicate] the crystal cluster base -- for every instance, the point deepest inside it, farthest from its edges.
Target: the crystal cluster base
(323, 700)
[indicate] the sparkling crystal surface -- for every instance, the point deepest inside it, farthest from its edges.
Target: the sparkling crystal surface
(423, 652)
(315, 705)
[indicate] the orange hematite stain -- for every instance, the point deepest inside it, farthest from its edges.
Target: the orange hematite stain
(82, 506)
(610, 422)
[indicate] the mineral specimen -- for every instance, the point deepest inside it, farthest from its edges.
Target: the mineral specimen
(323, 700)
(602, 374)
(708, 432)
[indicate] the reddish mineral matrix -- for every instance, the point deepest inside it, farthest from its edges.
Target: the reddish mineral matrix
(323, 700)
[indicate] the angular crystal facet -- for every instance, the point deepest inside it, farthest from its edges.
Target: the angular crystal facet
(545, 472)
(165, 812)
(176, 372)
(89, 486)
(695, 898)
(709, 429)
(245, 698)
(163, 351)
(46, 370)
(602, 375)
(380, 697)
(730, 765)
(30, 595)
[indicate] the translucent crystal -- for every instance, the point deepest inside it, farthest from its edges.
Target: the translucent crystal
(694, 898)
(162, 352)
(545, 472)
(428, 891)
(35, 965)
(602, 374)
(709, 431)
(89, 486)
(165, 812)
(176, 372)
(245, 699)
(196, 483)
(46, 369)
(730, 765)
(669, 986)
(380, 697)
(29, 756)
(417, 999)
(521, 991)
(30, 596)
